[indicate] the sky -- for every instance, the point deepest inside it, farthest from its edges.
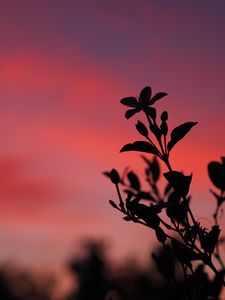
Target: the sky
(64, 66)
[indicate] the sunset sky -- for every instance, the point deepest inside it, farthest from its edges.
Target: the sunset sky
(64, 66)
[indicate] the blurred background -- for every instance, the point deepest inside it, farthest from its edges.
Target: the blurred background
(64, 66)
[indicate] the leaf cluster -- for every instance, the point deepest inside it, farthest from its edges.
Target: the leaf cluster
(168, 213)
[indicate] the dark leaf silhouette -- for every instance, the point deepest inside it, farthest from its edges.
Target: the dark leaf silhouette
(129, 101)
(160, 234)
(176, 210)
(167, 188)
(145, 95)
(130, 113)
(216, 172)
(134, 181)
(179, 132)
(157, 97)
(145, 213)
(113, 204)
(210, 239)
(179, 182)
(155, 169)
(142, 129)
(140, 146)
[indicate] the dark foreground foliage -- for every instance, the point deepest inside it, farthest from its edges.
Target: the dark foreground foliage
(184, 240)
(98, 279)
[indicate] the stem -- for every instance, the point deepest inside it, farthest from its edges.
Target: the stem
(165, 146)
(166, 161)
(158, 139)
(150, 141)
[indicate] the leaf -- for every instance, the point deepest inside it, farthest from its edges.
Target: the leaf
(129, 101)
(113, 204)
(167, 189)
(134, 181)
(155, 169)
(209, 240)
(177, 210)
(140, 146)
(157, 97)
(145, 95)
(217, 174)
(160, 234)
(179, 182)
(179, 132)
(144, 212)
(152, 221)
(130, 113)
(142, 129)
(212, 238)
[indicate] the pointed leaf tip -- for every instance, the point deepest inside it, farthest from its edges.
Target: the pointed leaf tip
(145, 95)
(179, 132)
(155, 168)
(130, 113)
(157, 97)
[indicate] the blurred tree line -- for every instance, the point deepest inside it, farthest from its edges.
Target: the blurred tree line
(97, 279)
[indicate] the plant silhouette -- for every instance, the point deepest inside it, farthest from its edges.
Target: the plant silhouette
(168, 213)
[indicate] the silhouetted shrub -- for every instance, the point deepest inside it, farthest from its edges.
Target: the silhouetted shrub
(17, 284)
(99, 279)
(184, 239)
